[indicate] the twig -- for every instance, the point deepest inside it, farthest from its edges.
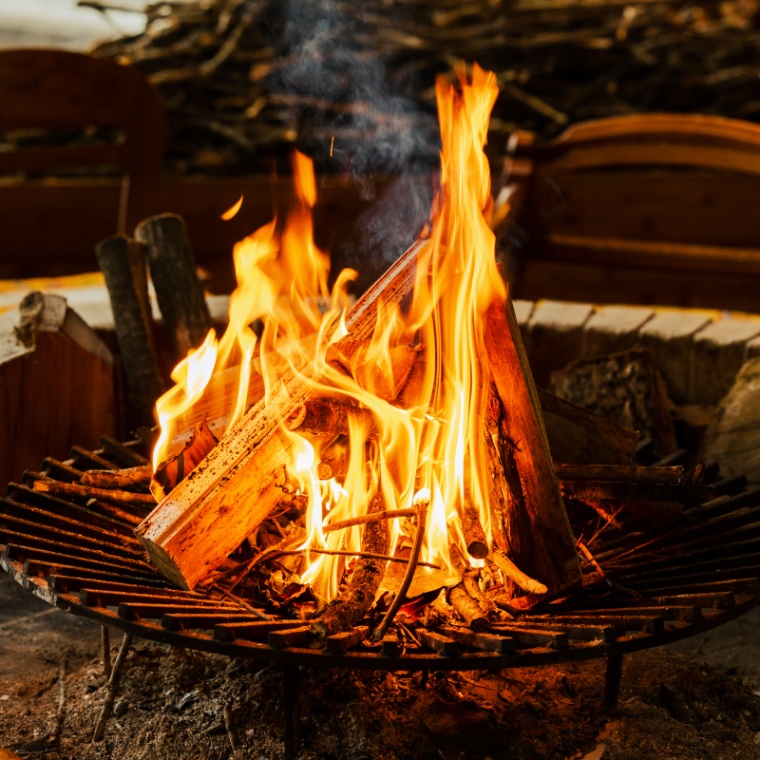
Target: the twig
(470, 581)
(17, 621)
(207, 68)
(517, 576)
(590, 557)
(48, 485)
(241, 602)
(111, 686)
(535, 103)
(231, 733)
(386, 514)
(422, 510)
(118, 479)
(55, 737)
(360, 555)
(105, 638)
(608, 517)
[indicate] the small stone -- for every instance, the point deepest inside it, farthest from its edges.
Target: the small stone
(186, 700)
(120, 708)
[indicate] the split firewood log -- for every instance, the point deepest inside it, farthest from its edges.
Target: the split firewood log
(537, 532)
(212, 511)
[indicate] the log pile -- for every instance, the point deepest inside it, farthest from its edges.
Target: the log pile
(352, 84)
(198, 538)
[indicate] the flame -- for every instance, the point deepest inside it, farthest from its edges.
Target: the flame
(428, 447)
(231, 212)
(191, 377)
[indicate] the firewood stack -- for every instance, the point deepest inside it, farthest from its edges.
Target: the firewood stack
(245, 82)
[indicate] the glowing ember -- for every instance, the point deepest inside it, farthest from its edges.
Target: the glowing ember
(395, 422)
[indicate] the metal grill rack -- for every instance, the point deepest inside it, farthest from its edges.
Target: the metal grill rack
(81, 555)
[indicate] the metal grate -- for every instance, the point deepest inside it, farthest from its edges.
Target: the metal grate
(660, 586)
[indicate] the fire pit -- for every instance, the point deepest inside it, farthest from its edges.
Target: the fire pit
(700, 572)
(404, 430)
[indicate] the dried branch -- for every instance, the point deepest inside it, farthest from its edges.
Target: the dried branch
(414, 557)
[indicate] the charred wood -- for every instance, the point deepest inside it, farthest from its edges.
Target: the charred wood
(352, 604)
(122, 262)
(173, 272)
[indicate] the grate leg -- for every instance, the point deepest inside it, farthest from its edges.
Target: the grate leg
(292, 699)
(612, 679)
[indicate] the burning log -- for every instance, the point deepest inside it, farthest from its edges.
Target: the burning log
(517, 576)
(177, 467)
(329, 416)
(192, 531)
(122, 262)
(477, 543)
(352, 356)
(173, 271)
(349, 607)
(468, 609)
(538, 535)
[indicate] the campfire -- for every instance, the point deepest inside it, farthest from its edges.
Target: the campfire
(396, 445)
(379, 484)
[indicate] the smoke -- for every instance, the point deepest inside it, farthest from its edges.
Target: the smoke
(358, 119)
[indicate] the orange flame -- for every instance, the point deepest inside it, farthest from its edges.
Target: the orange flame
(231, 212)
(434, 444)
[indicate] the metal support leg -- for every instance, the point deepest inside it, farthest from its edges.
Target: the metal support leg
(292, 700)
(612, 679)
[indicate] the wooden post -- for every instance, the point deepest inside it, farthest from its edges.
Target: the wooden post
(122, 262)
(538, 536)
(173, 271)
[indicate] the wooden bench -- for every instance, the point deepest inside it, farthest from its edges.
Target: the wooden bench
(652, 209)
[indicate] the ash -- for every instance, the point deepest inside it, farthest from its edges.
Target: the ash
(171, 704)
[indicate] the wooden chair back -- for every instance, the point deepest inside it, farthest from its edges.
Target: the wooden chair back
(44, 92)
(654, 208)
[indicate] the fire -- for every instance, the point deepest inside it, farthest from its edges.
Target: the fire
(380, 449)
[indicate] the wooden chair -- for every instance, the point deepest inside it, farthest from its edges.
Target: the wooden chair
(652, 208)
(50, 91)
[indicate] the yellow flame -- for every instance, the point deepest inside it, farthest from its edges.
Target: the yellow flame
(231, 212)
(430, 449)
(191, 376)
